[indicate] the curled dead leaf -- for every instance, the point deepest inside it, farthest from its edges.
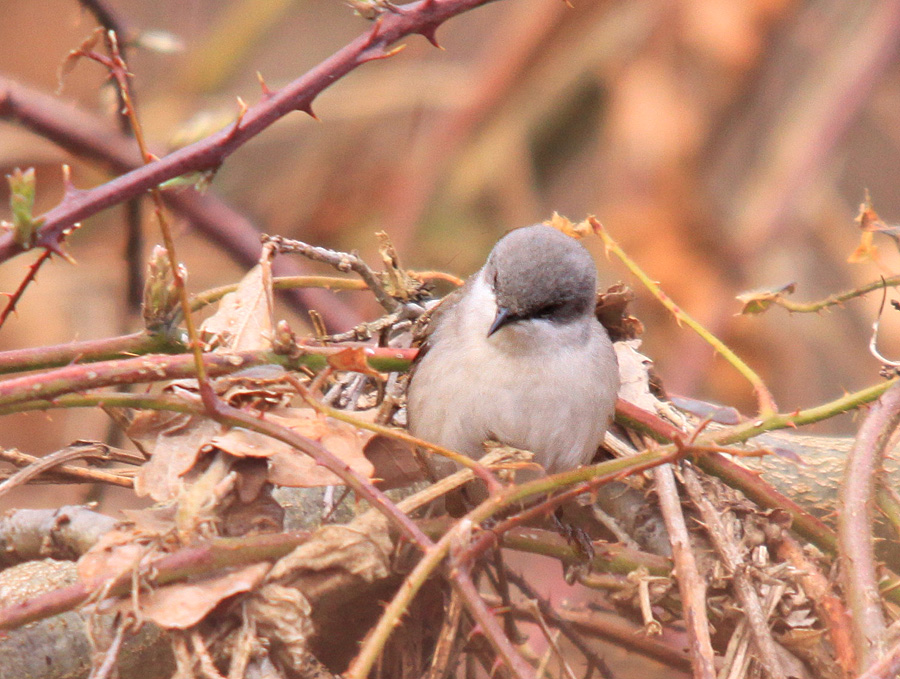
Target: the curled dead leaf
(353, 359)
(184, 604)
(244, 320)
(118, 552)
(394, 461)
(290, 467)
(757, 301)
(173, 441)
(568, 227)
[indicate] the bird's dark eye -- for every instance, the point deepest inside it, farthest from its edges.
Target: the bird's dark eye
(548, 311)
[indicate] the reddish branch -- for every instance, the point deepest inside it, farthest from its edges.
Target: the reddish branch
(748, 482)
(856, 541)
(207, 154)
(92, 138)
(156, 368)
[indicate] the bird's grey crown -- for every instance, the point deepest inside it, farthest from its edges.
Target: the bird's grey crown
(539, 272)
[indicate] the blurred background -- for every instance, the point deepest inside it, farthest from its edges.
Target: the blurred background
(726, 145)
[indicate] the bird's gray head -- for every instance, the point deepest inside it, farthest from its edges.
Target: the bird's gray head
(539, 272)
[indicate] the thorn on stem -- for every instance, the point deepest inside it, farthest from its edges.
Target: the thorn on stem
(308, 110)
(430, 34)
(381, 53)
(56, 249)
(265, 88)
(375, 33)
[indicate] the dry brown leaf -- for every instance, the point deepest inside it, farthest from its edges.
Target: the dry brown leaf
(394, 461)
(119, 551)
(758, 301)
(361, 549)
(354, 359)
(568, 227)
(174, 442)
(245, 443)
(284, 614)
(290, 467)
(244, 321)
(184, 604)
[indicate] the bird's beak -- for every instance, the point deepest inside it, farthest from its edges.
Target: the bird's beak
(501, 319)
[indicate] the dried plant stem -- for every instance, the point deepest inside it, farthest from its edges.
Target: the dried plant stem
(118, 70)
(690, 584)
(855, 518)
(60, 457)
(74, 474)
(737, 567)
(830, 608)
(342, 261)
(447, 640)
(836, 299)
(208, 297)
(766, 402)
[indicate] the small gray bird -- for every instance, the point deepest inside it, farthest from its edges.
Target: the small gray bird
(518, 356)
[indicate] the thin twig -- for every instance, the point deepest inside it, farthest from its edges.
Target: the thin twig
(766, 401)
(564, 626)
(830, 607)
(79, 451)
(550, 637)
(69, 474)
(111, 655)
(342, 261)
(20, 290)
(837, 299)
(203, 299)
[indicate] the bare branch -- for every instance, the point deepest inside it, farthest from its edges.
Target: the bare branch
(421, 17)
(855, 517)
(690, 584)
